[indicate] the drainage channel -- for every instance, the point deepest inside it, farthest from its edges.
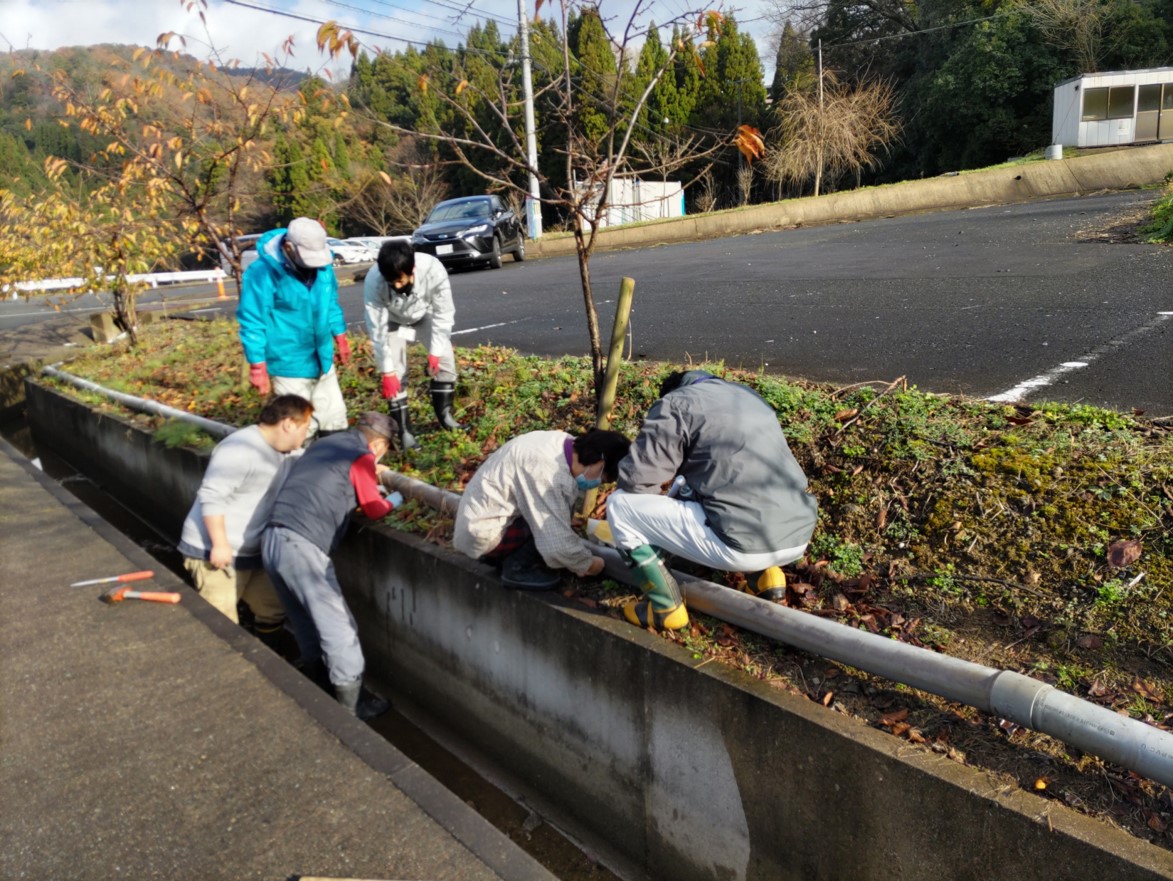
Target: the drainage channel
(539, 839)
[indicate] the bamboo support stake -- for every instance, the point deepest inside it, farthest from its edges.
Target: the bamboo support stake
(611, 375)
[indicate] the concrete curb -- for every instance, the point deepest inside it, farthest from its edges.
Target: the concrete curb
(1129, 168)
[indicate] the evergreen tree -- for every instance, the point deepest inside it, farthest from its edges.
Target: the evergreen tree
(288, 179)
(733, 90)
(661, 108)
(594, 74)
(19, 171)
(688, 82)
(794, 63)
(546, 59)
(992, 98)
(341, 155)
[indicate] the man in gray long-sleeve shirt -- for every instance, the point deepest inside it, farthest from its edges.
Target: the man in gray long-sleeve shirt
(221, 538)
(742, 504)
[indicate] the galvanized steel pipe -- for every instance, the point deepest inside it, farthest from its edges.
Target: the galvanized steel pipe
(1004, 693)
(143, 405)
(442, 500)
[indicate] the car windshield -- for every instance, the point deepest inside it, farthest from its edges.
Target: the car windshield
(460, 211)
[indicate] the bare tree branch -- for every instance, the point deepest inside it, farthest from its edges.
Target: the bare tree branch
(831, 136)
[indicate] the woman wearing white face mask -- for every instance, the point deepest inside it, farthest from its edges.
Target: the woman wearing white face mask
(517, 508)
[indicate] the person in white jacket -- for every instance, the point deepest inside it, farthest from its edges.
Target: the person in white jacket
(518, 508)
(408, 299)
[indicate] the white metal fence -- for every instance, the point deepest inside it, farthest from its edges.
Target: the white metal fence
(153, 279)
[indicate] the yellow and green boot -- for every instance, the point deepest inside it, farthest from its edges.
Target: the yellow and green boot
(770, 584)
(662, 606)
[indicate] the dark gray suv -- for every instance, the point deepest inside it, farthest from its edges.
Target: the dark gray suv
(474, 230)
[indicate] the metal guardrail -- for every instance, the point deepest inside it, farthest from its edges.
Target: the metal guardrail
(153, 279)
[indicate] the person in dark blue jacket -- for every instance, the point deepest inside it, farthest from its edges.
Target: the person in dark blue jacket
(309, 517)
(290, 320)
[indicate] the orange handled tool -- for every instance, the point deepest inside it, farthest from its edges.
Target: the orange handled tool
(118, 594)
(130, 576)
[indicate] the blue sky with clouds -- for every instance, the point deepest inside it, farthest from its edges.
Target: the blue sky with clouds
(244, 29)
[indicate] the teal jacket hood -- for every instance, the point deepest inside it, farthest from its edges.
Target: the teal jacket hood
(284, 322)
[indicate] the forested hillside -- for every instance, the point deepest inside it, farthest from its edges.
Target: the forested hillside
(914, 90)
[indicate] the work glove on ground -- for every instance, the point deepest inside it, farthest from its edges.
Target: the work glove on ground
(343, 345)
(390, 386)
(258, 378)
(433, 365)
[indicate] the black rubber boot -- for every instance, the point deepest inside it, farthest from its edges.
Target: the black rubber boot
(276, 638)
(443, 394)
(525, 569)
(397, 410)
(359, 702)
(315, 671)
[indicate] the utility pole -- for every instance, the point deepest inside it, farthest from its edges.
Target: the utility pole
(821, 142)
(533, 204)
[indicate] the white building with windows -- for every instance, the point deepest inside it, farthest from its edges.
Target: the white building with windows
(1108, 109)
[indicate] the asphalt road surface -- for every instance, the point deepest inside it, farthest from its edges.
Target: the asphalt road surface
(1008, 302)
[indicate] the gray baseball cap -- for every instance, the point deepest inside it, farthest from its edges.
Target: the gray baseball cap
(308, 239)
(380, 423)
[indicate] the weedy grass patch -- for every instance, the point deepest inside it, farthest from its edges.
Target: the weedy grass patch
(1159, 230)
(1038, 539)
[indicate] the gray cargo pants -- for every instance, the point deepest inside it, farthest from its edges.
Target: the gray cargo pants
(308, 589)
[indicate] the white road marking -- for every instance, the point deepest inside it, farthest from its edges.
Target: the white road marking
(51, 312)
(1020, 391)
(487, 327)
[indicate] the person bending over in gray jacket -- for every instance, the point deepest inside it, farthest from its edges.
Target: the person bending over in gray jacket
(221, 538)
(742, 505)
(407, 298)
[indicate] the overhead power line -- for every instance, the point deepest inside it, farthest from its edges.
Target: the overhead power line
(432, 28)
(357, 30)
(285, 14)
(943, 27)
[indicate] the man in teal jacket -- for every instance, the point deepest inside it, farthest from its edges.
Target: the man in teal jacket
(290, 320)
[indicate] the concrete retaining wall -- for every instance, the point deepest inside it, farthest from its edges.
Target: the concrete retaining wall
(688, 773)
(1110, 170)
(157, 483)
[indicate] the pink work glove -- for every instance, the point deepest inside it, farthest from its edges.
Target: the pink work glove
(390, 385)
(258, 378)
(433, 365)
(343, 345)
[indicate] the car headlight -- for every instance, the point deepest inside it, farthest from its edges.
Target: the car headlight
(417, 239)
(482, 229)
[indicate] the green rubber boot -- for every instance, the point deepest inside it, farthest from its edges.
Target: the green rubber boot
(662, 606)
